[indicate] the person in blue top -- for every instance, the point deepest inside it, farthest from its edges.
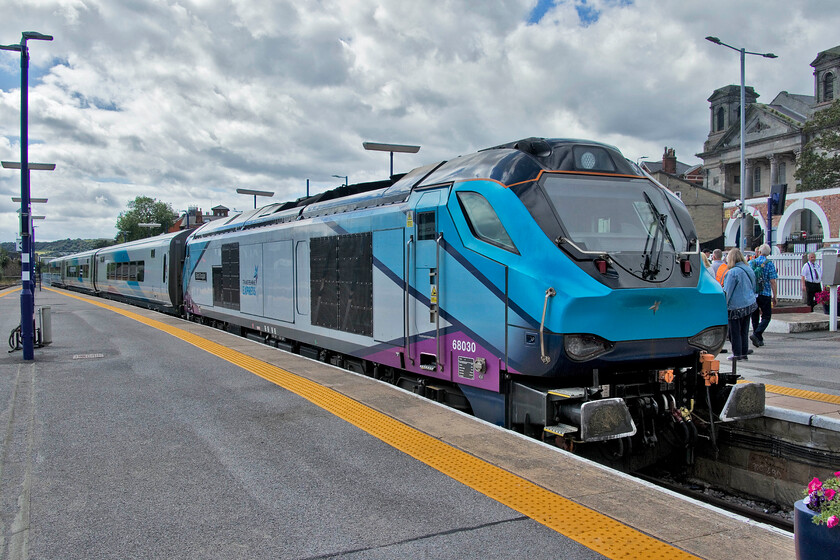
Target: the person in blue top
(766, 298)
(739, 286)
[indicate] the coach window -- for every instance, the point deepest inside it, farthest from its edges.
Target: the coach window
(484, 222)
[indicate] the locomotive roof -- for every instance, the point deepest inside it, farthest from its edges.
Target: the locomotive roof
(515, 162)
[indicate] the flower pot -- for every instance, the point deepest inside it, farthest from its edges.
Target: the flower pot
(813, 542)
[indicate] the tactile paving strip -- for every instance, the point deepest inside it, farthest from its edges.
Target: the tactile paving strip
(802, 394)
(588, 527)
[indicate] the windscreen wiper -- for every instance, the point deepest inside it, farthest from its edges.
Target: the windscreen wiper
(656, 241)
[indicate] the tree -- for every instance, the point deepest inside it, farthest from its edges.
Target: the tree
(144, 210)
(819, 165)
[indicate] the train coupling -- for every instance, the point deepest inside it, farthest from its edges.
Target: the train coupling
(571, 412)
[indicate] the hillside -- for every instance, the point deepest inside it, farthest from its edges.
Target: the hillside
(62, 247)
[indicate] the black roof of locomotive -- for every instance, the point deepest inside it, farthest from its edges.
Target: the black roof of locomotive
(512, 163)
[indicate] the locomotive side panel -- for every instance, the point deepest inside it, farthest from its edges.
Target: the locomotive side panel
(388, 287)
(278, 290)
(249, 286)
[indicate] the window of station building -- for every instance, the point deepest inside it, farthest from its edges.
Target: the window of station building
(828, 87)
(720, 116)
(484, 222)
(757, 179)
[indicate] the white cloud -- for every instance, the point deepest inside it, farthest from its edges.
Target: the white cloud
(187, 100)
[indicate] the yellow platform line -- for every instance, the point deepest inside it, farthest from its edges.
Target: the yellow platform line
(13, 290)
(803, 394)
(579, 523)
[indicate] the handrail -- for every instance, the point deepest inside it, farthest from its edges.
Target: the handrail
(407, 298)
(437, 305)
(543, 356)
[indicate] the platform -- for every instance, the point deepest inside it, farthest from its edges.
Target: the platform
(135, 434)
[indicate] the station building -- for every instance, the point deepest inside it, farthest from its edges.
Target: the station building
(774, 141)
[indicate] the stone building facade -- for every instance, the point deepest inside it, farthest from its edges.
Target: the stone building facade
(773, 143)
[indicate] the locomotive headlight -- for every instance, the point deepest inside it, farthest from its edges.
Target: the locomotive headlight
(711, 340)
(581, 347)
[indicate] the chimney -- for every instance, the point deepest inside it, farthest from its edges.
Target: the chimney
(669, 161)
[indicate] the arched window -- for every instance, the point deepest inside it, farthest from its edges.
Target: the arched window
(720, 115)
(828, 86)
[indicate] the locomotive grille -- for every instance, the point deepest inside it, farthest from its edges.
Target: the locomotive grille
(341, 276)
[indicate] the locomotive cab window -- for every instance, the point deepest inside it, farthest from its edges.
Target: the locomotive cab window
(484, 222)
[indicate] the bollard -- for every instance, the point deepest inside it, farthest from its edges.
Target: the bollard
(46, 325)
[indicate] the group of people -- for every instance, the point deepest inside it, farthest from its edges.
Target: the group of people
(750, 288)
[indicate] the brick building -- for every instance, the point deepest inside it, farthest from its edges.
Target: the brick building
(704, 205)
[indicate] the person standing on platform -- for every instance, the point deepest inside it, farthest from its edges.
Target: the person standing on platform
(717, 260)
(811, 279)
(765, 277)
(739, 287)
(720, 275)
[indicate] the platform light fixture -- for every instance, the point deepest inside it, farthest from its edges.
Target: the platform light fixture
(255, 194)
(381, 147)
(345, 177)
(149, 225)
(742, 243)
(31, 166)
(32, 200)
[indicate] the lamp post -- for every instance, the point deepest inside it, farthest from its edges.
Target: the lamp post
(27, 296)
(255, 194)
(743, 240)
(380, 147)
(342, 177)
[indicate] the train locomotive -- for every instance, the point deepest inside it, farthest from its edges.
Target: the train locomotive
(546, 285)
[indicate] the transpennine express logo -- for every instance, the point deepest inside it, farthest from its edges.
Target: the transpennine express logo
(249, 287)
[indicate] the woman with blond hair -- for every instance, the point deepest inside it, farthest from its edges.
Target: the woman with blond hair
(739, 286)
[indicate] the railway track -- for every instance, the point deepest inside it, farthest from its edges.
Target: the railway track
(727, 502)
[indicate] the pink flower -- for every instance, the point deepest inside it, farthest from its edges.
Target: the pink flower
(837, 474)
(829, 493)
(814, 485)
(832, 521)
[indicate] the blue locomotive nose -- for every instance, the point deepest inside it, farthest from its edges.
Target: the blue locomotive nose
(644, 314)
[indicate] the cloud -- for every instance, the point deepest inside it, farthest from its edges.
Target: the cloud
(185, 101)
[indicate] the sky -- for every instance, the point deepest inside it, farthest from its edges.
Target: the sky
(185, 101)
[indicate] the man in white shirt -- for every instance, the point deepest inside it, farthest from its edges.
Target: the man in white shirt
(811, 279)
